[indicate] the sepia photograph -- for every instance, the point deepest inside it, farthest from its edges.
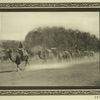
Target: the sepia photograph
(49, 49)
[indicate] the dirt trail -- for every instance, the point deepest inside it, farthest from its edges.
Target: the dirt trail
(75, 72)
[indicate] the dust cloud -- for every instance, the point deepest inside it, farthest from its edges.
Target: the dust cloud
(61, 64)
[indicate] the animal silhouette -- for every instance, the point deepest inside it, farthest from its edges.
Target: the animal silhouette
(17, 57)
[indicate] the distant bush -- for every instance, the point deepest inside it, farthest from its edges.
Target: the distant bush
(6, 44)
(62, 39)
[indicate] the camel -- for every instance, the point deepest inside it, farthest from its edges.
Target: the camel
(17, 58)
(64, 55)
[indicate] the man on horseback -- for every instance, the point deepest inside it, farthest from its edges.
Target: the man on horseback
(21, 50)
(18, 56)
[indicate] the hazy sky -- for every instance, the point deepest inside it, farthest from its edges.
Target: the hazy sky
(15, 25)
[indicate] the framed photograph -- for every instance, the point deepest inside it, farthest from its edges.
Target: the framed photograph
(49, 48)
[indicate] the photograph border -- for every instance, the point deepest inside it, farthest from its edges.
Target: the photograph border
(38, 7)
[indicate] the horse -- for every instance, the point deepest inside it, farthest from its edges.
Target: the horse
(17, 57)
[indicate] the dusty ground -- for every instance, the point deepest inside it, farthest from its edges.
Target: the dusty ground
(77, 72)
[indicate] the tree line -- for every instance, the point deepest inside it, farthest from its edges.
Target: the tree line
(56, 37)
(61, 38)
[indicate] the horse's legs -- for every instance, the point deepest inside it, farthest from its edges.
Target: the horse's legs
(25, 65)
(26, 62)
(18, 68)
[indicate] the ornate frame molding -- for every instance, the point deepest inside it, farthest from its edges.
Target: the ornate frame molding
(25, 6)
(49, 5)
(51, 92)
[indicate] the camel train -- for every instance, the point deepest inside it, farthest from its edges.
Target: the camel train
(21, 55)
(60, 55)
